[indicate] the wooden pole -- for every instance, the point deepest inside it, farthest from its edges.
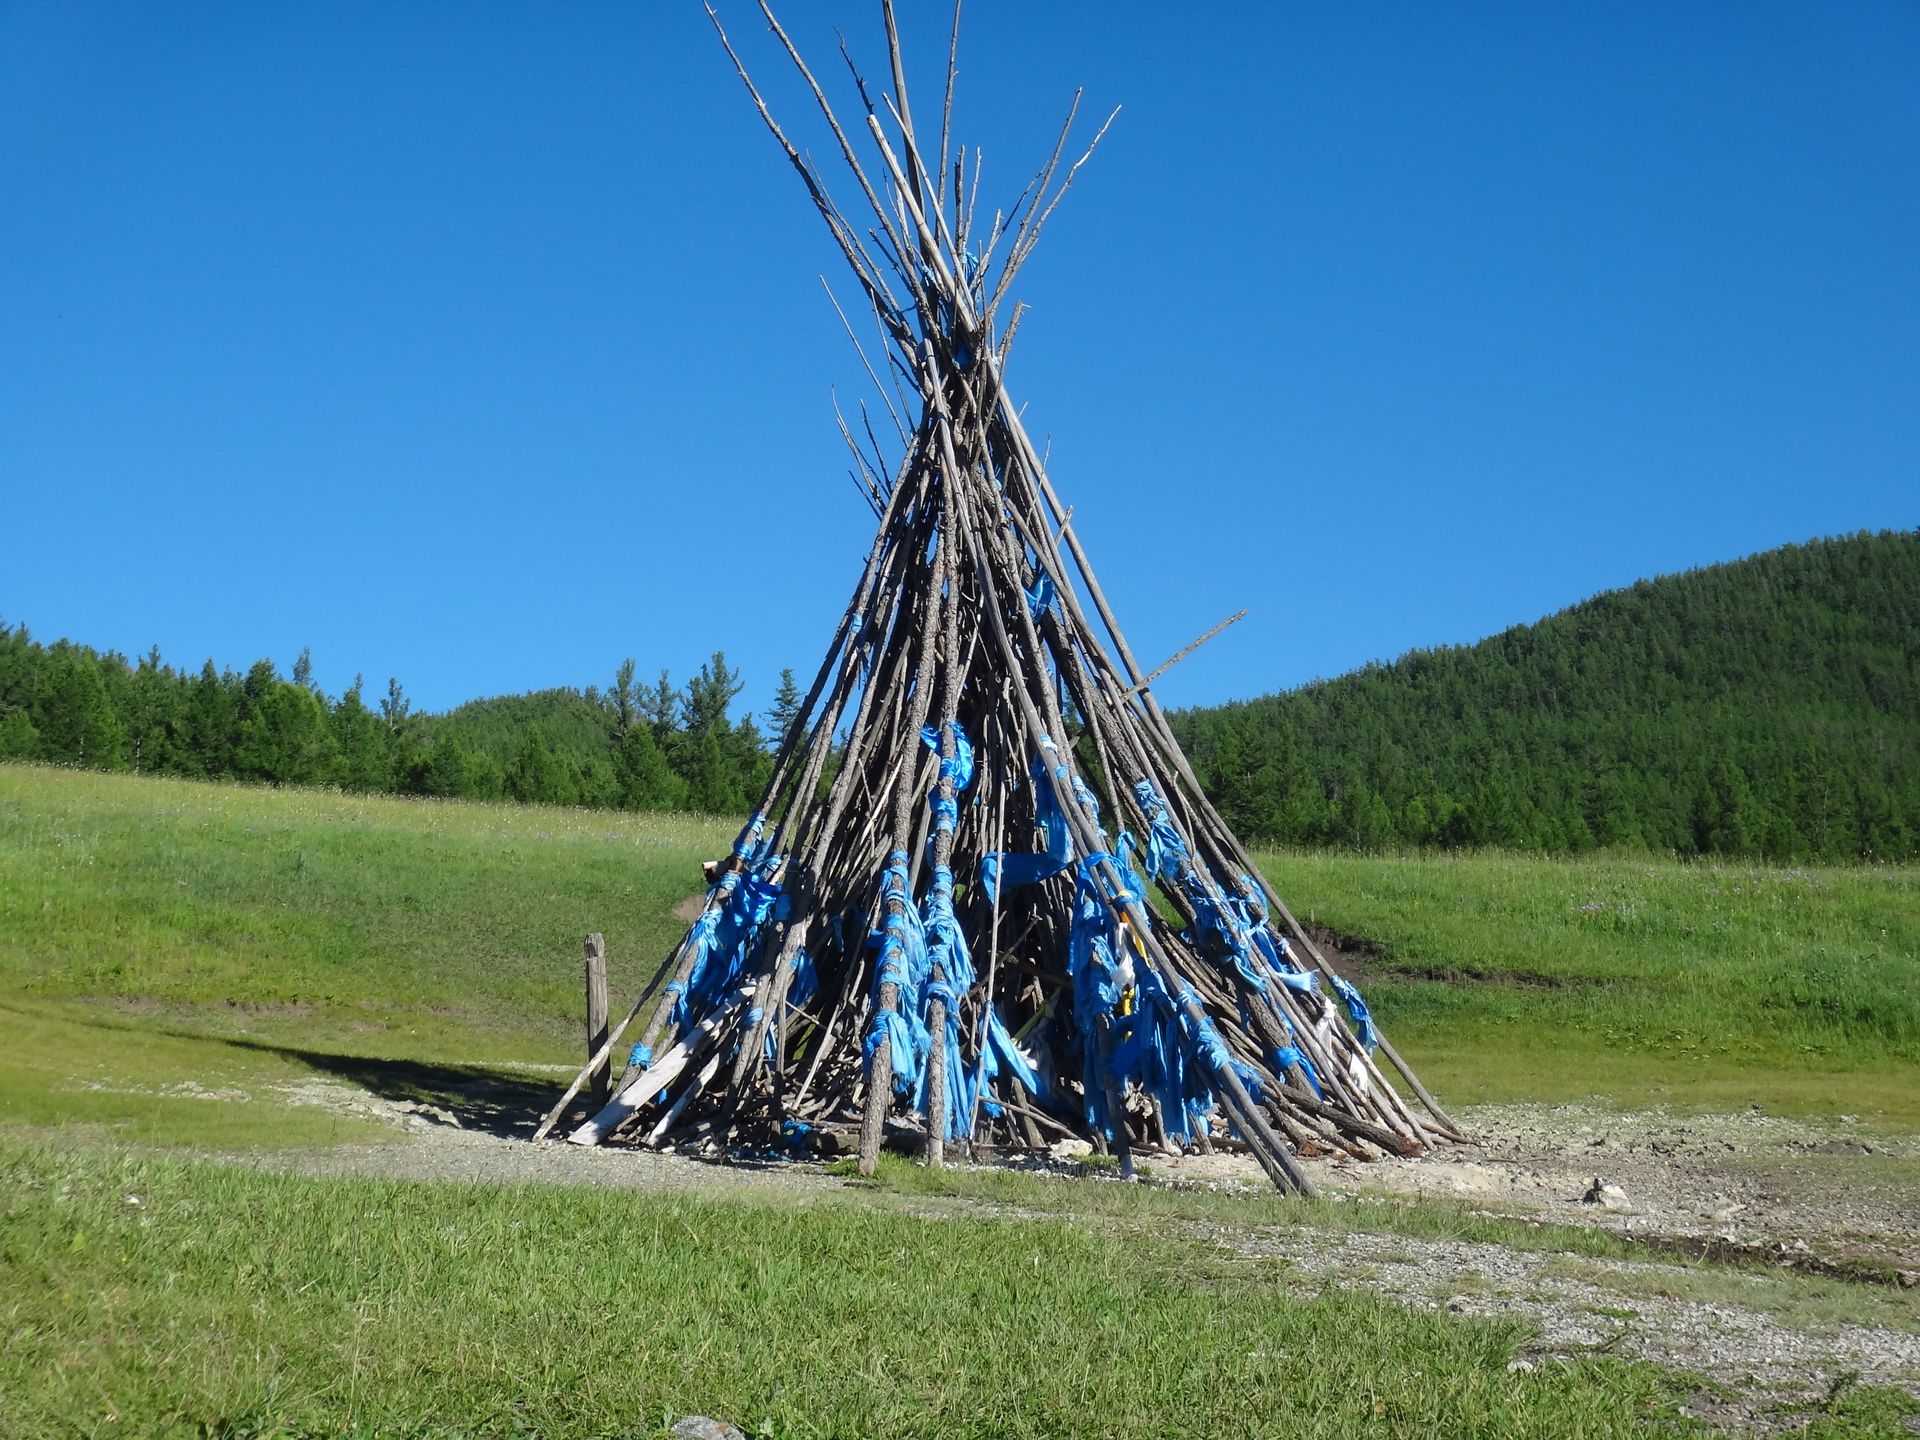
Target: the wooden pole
(602, 1073)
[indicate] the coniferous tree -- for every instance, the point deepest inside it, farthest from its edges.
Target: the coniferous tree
(153, 712)
(539, 776)
(213, 722)
(712, 781)
(394, 705)
(709, 696)
(659, 705)
(623, 702)
(76, 722)
(785, 707)
(445, 771)
(285, 738)
(19, 740)
(646, 781)
(360, 737)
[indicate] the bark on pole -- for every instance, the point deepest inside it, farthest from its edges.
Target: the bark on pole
(602, 1073)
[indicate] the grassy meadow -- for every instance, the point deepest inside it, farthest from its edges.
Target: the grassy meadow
(160, 937)
(156, 934)
(177, 960)
(1636, 980)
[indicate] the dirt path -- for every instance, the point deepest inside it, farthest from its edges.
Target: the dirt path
(1807, 1207)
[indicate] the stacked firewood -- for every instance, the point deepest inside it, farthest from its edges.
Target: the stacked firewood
(984, 901)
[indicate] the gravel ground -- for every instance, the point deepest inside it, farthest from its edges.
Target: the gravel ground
(1827, 1201)
(1763, 1370)
(1749, 1179)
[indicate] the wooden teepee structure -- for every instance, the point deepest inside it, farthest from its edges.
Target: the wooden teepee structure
(984, 899)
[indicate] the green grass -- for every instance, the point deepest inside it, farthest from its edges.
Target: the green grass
(161, 932)
(1806, 1300)
(119, 1078)
(181, 964)
(226, 1301)
(452, 922)
(1643, 981)
(1863, 1412)
(140, 917)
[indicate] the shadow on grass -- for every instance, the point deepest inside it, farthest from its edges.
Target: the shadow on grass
(491, 1101)
(495, 1101)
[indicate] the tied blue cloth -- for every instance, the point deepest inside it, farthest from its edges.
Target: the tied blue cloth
(723, 939)
(1157, 1052)
(1290, 1055)
(958, 1095)
(949, 966)
(1006, 870)
(959, 767)
(1232, 926)
(1042, 597)
(795, 1133)
(1008, 1057)
(1278, 955)
(1213, 1049)
(749, 836)
(1357, 1008)
(1098, 962)
(806, 982)
(1167, 855)
(903, 964)
(1000, 1055)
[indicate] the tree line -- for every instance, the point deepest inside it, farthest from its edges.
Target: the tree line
(1769, 707)
(631, 745)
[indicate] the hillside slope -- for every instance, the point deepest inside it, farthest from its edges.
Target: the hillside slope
(1769, 706)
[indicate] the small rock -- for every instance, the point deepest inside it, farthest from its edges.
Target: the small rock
(1521, 1367)
(1720, 1209)
(1605, 1194)
(1070, 1149)
(699, 1427)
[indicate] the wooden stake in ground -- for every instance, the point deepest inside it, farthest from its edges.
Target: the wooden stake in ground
(602, 1073)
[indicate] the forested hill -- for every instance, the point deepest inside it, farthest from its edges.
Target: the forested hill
(1770, 706)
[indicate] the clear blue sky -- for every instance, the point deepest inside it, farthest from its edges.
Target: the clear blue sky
(482, 344)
